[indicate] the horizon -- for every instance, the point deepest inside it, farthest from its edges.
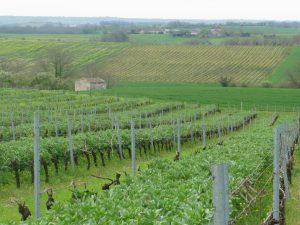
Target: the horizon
(157, 18)
(167, 10)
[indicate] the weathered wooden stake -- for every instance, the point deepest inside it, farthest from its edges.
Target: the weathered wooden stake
(220, 194)
(203, 132)
(12, 125)
(276, 175)
(178, 136)
(37, 165)
(70, 140)
(119, 139)
(133, 148)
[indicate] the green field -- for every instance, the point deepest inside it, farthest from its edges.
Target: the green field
(263, 98)
(289, 62)
(200, 64)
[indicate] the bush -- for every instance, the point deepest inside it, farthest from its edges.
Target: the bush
(49, 81)
(267, 84)
(6, 79)
(225, 81)
(116, 36)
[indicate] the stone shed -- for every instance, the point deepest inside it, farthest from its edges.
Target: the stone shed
(86, 84)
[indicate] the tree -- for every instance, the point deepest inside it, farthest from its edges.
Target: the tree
(225, 81)
(93, 70)
(60, 58)
(116, 36)
(293, 76)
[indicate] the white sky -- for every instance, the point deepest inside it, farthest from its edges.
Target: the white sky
(171, 9)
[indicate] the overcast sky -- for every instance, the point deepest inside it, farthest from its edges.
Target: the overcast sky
(171, 9)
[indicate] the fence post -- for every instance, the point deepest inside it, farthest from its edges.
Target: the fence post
(151, 136)
(140, 120)
(243, 123)
(219, 132)
(133, 147)
(220, 194)
(276, 176)
(174, 132)
(119, 139)
(192, 130)
(203, 132)
(228, 124)
(12, 125)
(70, 140)
(178, 136)
(284, 158)
(55, 125)
(37, 165)
(89, 122)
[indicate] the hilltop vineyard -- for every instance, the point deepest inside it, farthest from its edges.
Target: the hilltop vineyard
(202, 64)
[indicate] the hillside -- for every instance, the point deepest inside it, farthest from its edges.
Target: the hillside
(202, 64)
(250, 65)
(29, 52)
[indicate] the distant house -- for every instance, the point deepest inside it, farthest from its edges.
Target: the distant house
(216, 31)
(87, 84)
(194, 33)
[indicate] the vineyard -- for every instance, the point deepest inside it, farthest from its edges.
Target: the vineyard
(172, 147)
(29, 52)
(202, 64)
(245, 65)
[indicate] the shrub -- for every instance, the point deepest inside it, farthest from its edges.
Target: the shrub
(116, 36)
(225, 81)
(267, 84)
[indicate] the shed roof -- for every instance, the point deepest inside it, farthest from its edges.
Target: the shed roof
(89, 80)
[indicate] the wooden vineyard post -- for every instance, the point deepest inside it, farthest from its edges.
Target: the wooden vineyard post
(12, 125)
(220, 194)
(119, 139)
(112, 122)
(178, 136)
(133, 148)
(214, 122)
(243, 123)
(219, 132)
(228, 124)
(81, 122)
(55, 125)
(37, 165)
(70, 141)
(174, 133)
(203, 132)
(276, 176)
(146, 119)
(89, 122)
(140, 121)
(284, 158)
(192, 130)
(151, 135)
